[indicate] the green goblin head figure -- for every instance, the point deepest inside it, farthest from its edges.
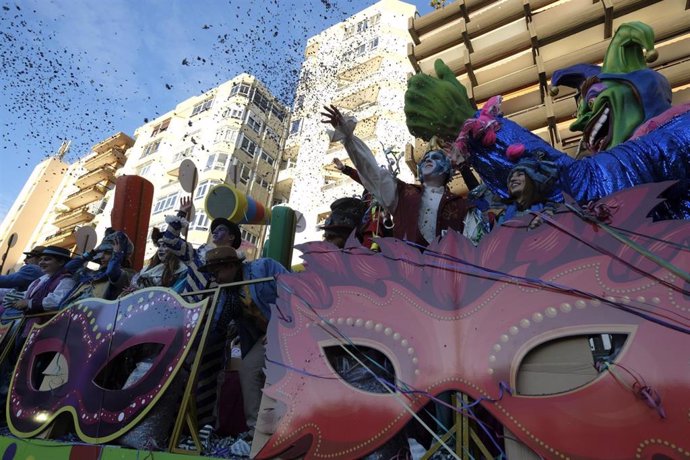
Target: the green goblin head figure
(617, 98)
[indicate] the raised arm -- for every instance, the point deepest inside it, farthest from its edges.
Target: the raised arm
(377, 180)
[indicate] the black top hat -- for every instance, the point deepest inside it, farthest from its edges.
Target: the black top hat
(233, 227)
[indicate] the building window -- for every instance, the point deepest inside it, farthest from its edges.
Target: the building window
(262, 182)
(271, 134)
(261, 101)
(254, 122)
(278, 112)
(165, 203)
(151, 147)
(144, 169)
(202, 106)
(245, 174)
(233, 112)
(242, 88)
(186, 153)
(360, 50)
(374, 43)
(250, 237)
(226, 134)
(160, 127)
(203, 188)
(374, 20)
(267, 158)
(295, 126)
(217, 161)
(362, 26)
(248, 146)
(201, 221)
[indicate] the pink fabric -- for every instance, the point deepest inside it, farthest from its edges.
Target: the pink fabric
(653, 123)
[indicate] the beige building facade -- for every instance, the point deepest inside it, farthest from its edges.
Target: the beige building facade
(361, 66)
(31, 206)
(233, 133)
(80, 198)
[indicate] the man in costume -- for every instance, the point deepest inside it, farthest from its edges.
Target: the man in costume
(420, 212)
(249, 305)
(346, 216)
(625, 112)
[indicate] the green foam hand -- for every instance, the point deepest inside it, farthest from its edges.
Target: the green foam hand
(437, 106)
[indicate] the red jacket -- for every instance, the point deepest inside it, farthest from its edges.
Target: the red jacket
(451, 213)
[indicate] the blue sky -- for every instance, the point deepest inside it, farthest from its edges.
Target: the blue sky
(85, 69)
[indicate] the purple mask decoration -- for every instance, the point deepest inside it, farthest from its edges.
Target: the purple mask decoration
(66, 363)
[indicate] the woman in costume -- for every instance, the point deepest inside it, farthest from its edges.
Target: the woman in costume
(112, 275)
(164, 269)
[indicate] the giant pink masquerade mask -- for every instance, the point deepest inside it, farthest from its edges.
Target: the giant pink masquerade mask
(87, 336)
(464, 329)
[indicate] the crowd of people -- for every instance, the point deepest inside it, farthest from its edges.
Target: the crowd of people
(53, 279)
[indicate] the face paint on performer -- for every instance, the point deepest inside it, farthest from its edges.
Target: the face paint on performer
(434, 164)
(162, 251)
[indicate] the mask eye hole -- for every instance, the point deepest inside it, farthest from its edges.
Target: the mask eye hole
(128, 367)
(356, 374)
(566, 363)
(49, 371)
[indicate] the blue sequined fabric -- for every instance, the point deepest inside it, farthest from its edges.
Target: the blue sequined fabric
(661, 155)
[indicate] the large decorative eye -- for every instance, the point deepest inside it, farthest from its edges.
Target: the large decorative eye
(590, 103)
(566, 363)
(362, 367)
(121, 371)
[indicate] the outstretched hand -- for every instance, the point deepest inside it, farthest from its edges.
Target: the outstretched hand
(185, 205)
(437, 106)
(332, 116)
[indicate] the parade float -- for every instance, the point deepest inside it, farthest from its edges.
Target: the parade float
(568, 340)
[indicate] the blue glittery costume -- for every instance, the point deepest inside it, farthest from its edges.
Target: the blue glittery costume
(661, 155)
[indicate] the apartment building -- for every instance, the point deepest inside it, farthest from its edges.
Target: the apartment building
(30, 207)
(80, 196)
(361, 66)
(233, 133)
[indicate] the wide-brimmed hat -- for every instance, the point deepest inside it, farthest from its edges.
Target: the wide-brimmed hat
(57, 252)
(220, 256)
(233, 227)
(346, 215)
(35, 252)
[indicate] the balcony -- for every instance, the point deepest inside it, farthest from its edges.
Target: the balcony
(361, 71)
(363, 98)
(120, 140)
(64, 239)
(85, 196)
(113, 156)
(367, 127)
(287, 174)
(93, 177)
(76, 216)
